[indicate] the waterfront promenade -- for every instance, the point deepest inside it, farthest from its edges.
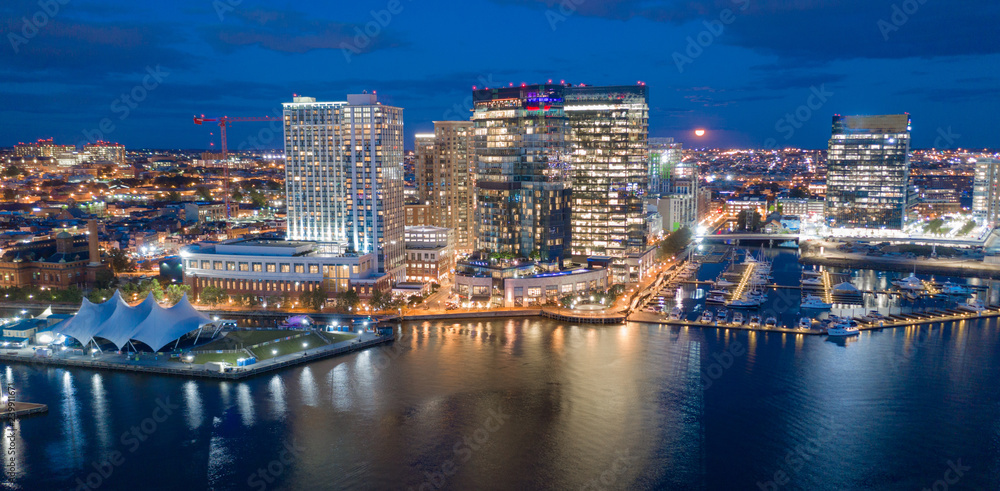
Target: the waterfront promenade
(162, 365)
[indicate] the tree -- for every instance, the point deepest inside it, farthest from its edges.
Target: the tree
(675, 243)
(314, 299)
(258, 199)
(10, 195)
(13, 171)
(203, 193)
(174, 196)
(237, 196)
(120, 261)
(175, 293)
(212, 295)
(348, 300)
(103, 278)
(798, 192)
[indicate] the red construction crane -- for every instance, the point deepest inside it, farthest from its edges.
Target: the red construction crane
(224, 122)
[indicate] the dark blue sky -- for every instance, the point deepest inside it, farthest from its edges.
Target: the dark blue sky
(66, 72)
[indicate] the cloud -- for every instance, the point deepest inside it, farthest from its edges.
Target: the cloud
(810, 30)
(292, 32)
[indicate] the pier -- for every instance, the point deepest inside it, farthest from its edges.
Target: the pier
(23, 410)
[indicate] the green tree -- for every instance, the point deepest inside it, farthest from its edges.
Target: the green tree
(748, 221)
(675, 243)
(258, 199)
(120, 261)
(212, 295)
(203, 193)
(315, 299)
(237, 196)
(104, 278)
(174, 293)
(348, 300)
(10, 195)
(13, 171)
(174, 196)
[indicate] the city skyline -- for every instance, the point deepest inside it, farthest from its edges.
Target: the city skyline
(739, 81)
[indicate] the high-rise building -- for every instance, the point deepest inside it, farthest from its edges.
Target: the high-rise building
(344, 177)
(868, 170)
(607, 144)
(523, 180)
(43, 148)
(668, 174)
(423, 166)
(445, 179)
(986, 192)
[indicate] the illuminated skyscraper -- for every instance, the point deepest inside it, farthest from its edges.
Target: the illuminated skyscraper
(444, 170)
(665, 158)
(986, 192)
(523, 180)
(868, 171)
(608, 148)
(344, 177)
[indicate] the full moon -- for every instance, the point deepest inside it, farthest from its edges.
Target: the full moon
(699, 132)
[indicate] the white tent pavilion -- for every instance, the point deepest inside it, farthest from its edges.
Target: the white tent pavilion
(146, 322)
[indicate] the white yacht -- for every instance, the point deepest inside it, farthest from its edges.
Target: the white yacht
(812, 282)
(722, 316)
(805, 323)
(843, 329)
(911, 283)
(973, 306)
(816, 303)
(706, 317)
(675, 314)
(956, 290)
(738, 318)
(771, 322)
(723, 283)
(754, 320)
(715, 299)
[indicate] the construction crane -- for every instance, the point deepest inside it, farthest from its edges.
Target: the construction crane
(224, 122)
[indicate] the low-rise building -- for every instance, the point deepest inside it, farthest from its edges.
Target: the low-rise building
(430, 253)
(58, 263)
(275, 268)
(516, 284)
(736, 206)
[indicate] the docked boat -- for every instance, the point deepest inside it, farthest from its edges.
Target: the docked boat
(771, 322)
(843, 329)
(746, 302)
(707, 317)
(873, 317)
(738, 318)
(715, 299)
(675, 314)
(805, 323)
(812, 282)
(955, 290)
(722, 316)
(973, 306)
(816, 303)
(718, 292)
(723, 283)
(754, 320)
(911, 283)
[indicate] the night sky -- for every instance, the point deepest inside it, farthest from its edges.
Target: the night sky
(66, 72)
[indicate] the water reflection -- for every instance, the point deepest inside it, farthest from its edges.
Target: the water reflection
(74, 438)
(276, 387)
(100, 411)
(244, 403)
(308, 388)
(192, 401)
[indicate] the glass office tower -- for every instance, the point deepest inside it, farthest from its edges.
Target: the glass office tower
(608, 147)
(868, 170)
(523, 180)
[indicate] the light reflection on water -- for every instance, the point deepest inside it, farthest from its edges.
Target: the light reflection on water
(691, 408)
